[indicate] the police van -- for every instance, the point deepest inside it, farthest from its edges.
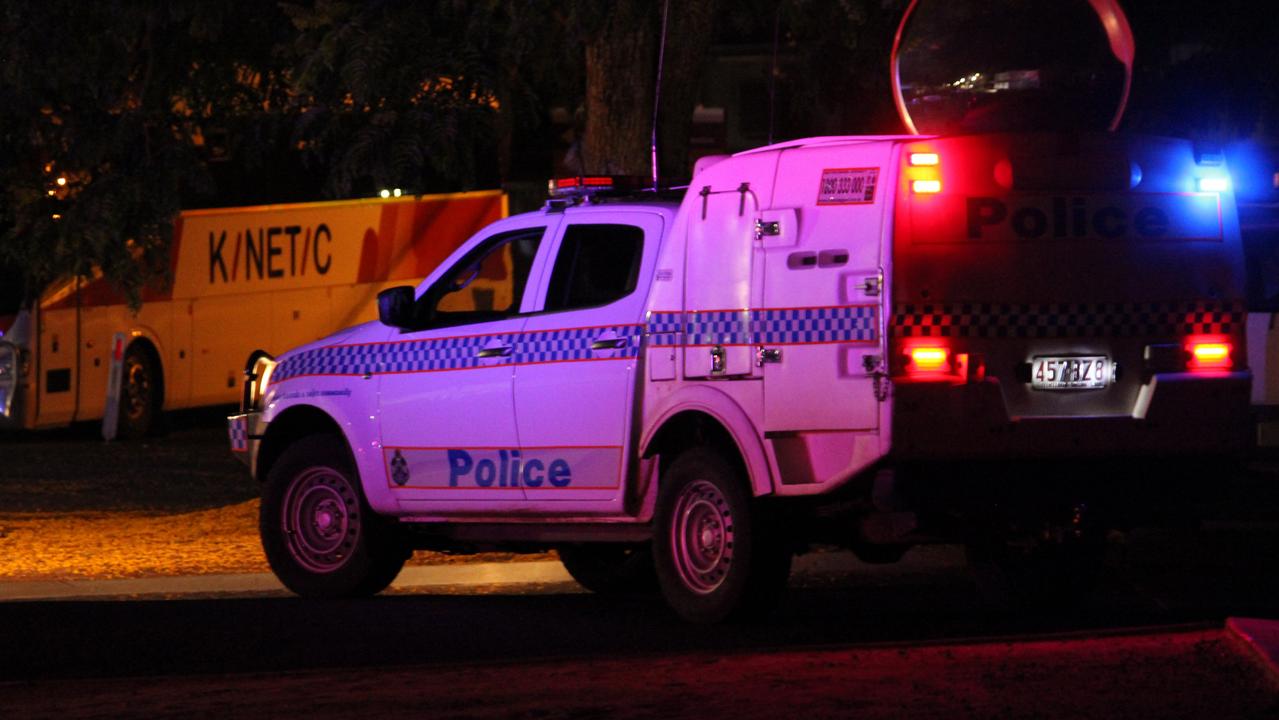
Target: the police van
(988, 337)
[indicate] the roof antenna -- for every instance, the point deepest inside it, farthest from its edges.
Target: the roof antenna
(657, 92)
(772, 75)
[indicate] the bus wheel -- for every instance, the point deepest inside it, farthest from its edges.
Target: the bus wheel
(320, 537)
(717, 556)
(139, 394)
(610, 568)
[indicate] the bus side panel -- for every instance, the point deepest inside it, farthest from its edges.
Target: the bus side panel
(300, 316)
(225, 329)
(57, 366)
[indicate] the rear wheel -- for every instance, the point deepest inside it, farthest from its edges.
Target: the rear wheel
(610, 568)
(717, 557)
(139, 394)
(320, 537)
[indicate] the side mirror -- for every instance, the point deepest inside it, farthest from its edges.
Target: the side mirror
(395, 306)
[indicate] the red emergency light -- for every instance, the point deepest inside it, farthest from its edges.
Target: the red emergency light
(591, 184)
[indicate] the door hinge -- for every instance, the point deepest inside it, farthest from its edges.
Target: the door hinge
(873, 285)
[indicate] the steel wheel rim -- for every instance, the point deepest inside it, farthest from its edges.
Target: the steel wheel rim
(137, 388)
(321, 519)
(702, 537)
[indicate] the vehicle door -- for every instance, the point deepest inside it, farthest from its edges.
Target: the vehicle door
(448, 417)
(819, 332)
(575, 382)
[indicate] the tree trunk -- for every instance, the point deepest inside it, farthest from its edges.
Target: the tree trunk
(621, 64)
(619, 91)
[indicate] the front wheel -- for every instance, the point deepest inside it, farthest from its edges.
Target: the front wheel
(717, 556)
(320, 537)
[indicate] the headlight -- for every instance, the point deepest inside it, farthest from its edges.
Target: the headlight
(257, 376)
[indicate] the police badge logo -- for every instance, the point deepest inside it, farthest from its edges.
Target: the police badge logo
(399, 469)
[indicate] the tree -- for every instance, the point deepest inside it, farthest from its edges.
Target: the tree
(101, 131)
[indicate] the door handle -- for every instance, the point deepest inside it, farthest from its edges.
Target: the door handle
(493, 352)
(609, 344)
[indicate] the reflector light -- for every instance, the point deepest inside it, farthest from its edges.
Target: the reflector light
(928, 359)
(1210, 355)
(924, 159)
(925, 187)
(1214, 184)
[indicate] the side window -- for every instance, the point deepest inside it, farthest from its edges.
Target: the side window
(596, 265)
(486, 284)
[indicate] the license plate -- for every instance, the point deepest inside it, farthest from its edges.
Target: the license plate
(1069, 373)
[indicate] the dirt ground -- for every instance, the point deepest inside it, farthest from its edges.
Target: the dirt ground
(73, 507)
(1177, 675)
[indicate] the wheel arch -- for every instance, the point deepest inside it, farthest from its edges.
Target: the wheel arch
(722, 425)
(288, 427)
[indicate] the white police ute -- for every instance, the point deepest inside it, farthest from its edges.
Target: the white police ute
(1014, 339)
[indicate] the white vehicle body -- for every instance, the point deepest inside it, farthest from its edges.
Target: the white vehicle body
(812, 314)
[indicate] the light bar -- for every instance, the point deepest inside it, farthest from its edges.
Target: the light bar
(585, 185)
(924, 159)
(925, 187)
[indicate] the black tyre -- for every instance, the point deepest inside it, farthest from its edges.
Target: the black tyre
(140, 399)
(717, 556)
(610, 568)
(319, 535)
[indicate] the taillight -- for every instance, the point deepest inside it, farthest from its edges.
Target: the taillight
(929, 359)
(1209, 356)
(925, 187)
(923, 170)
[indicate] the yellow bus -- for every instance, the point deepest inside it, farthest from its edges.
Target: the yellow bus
(271, 277)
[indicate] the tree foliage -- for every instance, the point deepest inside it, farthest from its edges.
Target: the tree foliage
(100, 133)
(140, 104)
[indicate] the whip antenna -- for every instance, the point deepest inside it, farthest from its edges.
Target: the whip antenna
(657, 91)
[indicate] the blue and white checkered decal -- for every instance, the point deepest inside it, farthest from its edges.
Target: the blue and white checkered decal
(718, 327)
(782, 326)
(800, 326)
(238, 432)
(457, 353)
(664, 328)
(766, 326)
(574, 344)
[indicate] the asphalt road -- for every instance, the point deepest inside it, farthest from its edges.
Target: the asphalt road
(929, 598)
(1154, 579)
